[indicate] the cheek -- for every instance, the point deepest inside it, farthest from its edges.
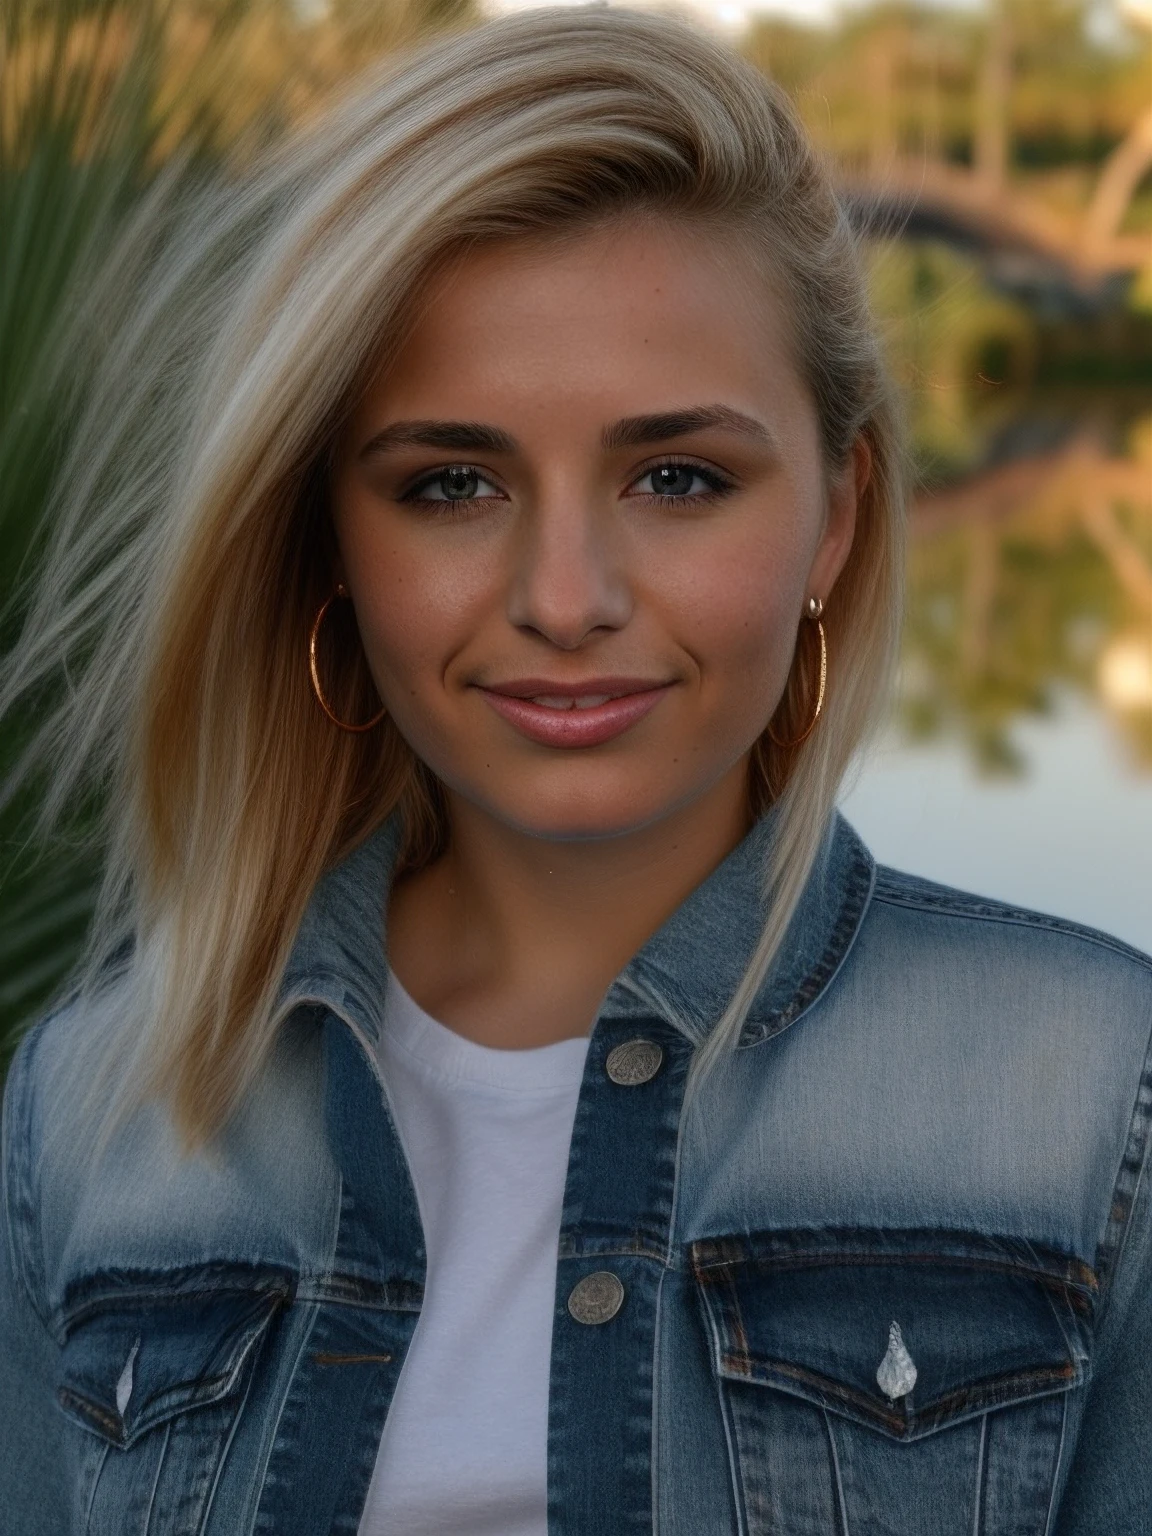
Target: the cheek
(416, 607)
(736, 615)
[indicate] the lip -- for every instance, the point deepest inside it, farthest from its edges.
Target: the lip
(633, 698)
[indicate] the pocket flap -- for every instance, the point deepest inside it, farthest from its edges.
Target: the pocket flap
(901, 1331)
(138, 1352)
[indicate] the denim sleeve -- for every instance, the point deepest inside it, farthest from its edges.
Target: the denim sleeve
(34, 1481)
(1109, 1490)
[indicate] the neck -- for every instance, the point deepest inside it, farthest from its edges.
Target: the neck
(512, 939)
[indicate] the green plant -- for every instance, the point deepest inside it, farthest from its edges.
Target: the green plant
(105, 105)
(77, 141)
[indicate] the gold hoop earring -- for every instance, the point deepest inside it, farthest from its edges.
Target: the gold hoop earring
(341, 591)
(815, 609)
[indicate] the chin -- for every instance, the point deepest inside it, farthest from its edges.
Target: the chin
(585, 813)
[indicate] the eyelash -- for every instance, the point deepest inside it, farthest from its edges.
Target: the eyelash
(718, 485)
(412, 496)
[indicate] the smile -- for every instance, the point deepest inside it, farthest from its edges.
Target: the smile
(586, 718)
(559, 701)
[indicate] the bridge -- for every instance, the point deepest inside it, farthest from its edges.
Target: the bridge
(1027, 244)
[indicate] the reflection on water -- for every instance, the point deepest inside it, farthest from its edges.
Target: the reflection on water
(1020, 759)
(1073, 836)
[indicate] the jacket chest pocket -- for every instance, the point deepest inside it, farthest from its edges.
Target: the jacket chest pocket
(893, 1383)
(156, 1373)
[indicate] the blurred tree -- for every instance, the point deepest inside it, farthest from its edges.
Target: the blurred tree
(1022, 86)
(1025, 580)
(948, 336)
(992, 129)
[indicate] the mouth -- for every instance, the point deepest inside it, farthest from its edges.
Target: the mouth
(564, 701)
(574, 715)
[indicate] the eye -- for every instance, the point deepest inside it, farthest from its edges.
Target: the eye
(455, 482)
(676, 481)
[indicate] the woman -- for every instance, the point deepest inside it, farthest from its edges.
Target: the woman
(504, 1096)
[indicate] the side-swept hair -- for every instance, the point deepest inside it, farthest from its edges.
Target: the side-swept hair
(193, 545)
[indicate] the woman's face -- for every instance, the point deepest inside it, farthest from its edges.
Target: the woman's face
(580, 518)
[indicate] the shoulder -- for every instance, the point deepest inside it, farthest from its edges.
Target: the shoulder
(1037, 991)
(1042, 1028)
(1002, 920)
(84, 1196)
(41, 1118)
(1014, 1044)
(1015, 957)
(48, 1135)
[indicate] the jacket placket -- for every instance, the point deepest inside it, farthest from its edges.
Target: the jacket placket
(613, 1257)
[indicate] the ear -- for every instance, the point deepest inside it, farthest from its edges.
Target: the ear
(845, 489)
(330, 552)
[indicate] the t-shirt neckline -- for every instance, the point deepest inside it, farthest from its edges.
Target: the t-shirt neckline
(439, 1051)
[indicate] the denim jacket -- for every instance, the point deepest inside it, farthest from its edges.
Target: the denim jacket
(889, 1275)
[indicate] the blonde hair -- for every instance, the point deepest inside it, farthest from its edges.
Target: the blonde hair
(191, 547)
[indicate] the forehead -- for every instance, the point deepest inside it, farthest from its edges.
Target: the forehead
(642, 309)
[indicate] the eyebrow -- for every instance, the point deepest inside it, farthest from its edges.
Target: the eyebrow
(467, 436)
(629, 432)
(633, 431)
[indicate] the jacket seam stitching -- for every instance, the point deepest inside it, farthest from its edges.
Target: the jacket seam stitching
(654, 1428)
(97, 1474)
(308, 1327)
(671, 1262)
(160, 1460)
(22, 1229)
(1126, 1187)
(225, 1452)
(1052, 1508)
(981, 1478)
(705, 1269)
(841, 1503)
(1010, 917)
(731, 1442)
(861, 891)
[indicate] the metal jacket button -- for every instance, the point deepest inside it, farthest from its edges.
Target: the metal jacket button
(597, 1298)
(634, 1062)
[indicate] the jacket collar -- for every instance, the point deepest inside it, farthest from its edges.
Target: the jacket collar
(685, 973)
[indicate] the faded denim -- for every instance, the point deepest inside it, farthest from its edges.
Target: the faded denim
(939, 1117)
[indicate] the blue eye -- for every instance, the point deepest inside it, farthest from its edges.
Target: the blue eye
(677, 482)
(456, 482)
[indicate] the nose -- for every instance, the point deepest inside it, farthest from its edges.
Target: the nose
(568, 578)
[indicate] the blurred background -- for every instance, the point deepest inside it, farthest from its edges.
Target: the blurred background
(997, 155)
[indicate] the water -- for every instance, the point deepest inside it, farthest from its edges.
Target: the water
(1072, 835)
(1018, 763)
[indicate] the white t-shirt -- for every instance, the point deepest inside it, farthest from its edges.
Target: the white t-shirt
(486, 1133)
